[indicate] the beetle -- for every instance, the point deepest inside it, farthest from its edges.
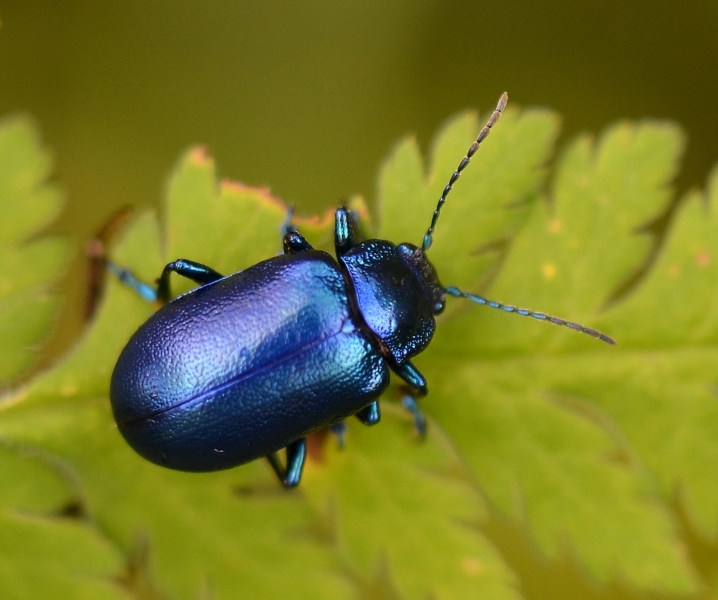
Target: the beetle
(251, 363)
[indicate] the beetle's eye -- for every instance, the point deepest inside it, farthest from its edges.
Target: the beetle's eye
(439, 307)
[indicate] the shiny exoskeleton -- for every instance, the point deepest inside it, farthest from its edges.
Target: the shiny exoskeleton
(251, 363)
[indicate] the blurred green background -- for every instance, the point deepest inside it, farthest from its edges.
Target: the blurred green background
(309, 97)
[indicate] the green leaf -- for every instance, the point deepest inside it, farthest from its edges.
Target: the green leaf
(421, 516)
(486, 208)
(45, 552)
(519, 398)
(671, 324)
(204, 533)
(31, 263)
(581, 443)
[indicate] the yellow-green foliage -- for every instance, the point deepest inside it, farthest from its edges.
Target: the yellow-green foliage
(582, 444)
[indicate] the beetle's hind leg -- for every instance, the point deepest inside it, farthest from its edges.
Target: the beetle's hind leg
(144, 290)
(197, 272)
(290, 475)
(416, 388)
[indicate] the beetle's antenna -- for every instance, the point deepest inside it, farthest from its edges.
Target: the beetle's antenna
(457, 293)
(483, 134)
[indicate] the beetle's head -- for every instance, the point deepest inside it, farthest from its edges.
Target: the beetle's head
(424, 271)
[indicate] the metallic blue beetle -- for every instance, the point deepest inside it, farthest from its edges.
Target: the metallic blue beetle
(251, 363)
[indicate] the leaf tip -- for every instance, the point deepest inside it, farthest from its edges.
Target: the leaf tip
(263, 194)
(201, 156)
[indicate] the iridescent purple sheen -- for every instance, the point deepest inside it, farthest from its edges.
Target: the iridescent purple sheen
(242, 367)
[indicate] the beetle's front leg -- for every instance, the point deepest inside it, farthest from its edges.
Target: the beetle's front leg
(346, 231)
(290, 475)
(416, 388)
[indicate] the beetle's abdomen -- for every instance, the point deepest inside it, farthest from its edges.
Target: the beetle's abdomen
(242, 367)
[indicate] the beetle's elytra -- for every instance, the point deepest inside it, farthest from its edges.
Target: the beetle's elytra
(251, 363)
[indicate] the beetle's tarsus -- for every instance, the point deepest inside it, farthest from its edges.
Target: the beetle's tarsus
(410, 404)
(417, 387)
(287, 226)
(144, 290)
(339, 430)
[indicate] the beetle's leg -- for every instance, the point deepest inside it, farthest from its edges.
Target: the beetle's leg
(144, 290)
(346, 231)
(370, 415)
(339, 430)
(187, 268)
(294, 242)
(290, 475)
(197, 272)
(409, 373)
(287, 225)
(409, 403)
(416, 388)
